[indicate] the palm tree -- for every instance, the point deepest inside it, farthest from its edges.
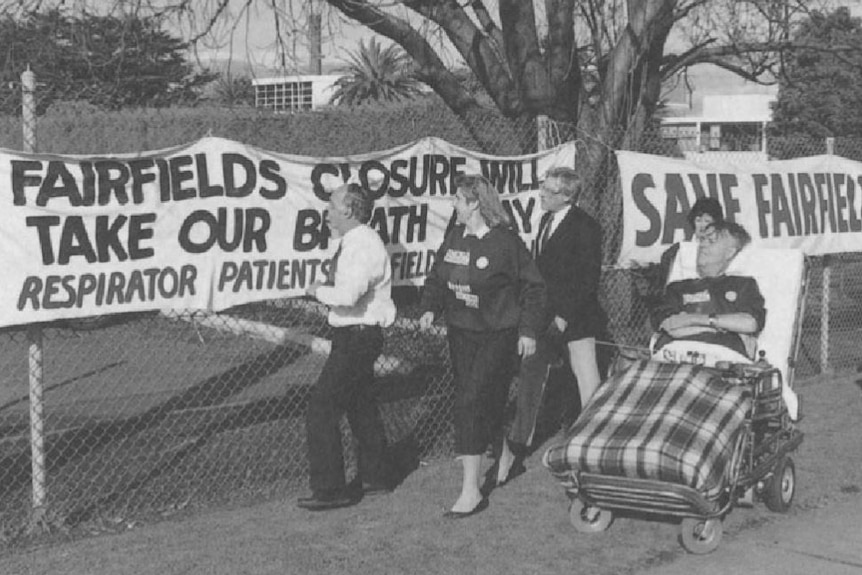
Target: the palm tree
(233, 91)
(376, 74)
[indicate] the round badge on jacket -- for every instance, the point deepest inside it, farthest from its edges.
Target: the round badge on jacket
(730, 296)
(482, 263)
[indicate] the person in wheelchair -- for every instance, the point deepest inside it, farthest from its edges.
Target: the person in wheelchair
(714, 308)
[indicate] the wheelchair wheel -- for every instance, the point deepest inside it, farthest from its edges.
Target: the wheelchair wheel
(588, 519)
(779, 491)
(700, 536)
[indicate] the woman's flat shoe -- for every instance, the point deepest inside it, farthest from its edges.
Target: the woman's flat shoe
(480, 507)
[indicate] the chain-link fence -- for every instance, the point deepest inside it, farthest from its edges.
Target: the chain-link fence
(148, 414)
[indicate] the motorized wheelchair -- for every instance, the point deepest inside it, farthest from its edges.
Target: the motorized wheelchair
(689, 433)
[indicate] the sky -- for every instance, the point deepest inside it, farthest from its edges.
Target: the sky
(250, 36)
(247, 34)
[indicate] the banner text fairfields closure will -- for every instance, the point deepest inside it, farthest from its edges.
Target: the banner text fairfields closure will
(216, 224)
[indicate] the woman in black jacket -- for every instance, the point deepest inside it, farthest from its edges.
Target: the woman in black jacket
(490, 292)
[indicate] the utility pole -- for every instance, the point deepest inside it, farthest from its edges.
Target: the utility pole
(315, 56)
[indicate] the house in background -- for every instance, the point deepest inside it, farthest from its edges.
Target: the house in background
(719, 112)
(294, 93)
(729, 123)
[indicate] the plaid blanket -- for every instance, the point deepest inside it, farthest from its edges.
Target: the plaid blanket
(668, 422)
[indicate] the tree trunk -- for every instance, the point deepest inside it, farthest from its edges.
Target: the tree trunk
(630, 92)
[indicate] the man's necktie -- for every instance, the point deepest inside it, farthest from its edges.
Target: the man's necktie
(544, 231)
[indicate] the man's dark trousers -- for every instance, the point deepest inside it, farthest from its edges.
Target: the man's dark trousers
(549, 366)
(345, 386)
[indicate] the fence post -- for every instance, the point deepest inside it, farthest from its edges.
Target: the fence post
(824, 316)
(542, 132)
(825, 290)
(34, 337)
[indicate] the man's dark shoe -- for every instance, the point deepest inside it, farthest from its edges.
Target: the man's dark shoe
(359, 488)
(372, 489)
(321, 502)
(305, 500)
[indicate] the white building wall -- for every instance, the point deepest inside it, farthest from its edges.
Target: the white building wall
(322, 86)
(738, 107)
(730, 123)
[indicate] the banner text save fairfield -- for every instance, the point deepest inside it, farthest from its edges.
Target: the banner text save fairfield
(813, 203)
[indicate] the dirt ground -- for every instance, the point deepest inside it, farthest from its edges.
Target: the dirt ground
(525, 530)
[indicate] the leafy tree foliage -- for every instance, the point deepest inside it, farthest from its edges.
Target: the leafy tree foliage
(111, 62)
(233, 91)
(376, 74)
(820, 93)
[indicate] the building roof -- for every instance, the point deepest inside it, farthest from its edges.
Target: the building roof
(327, 78)
(727, 108)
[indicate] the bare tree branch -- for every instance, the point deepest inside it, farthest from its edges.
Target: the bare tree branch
(709, 53)
(216, 16)
(741, 71)
(486, 22)
(650, 22)
(522, 54)
(673, 63)
(563, 57)
(481, 52)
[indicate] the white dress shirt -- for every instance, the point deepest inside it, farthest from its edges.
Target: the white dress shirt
(559, 216)
(362, 290)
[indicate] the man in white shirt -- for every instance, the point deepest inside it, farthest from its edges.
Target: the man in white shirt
(360, 305)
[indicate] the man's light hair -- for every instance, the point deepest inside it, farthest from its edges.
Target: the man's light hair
(359, 202)
(569, 179)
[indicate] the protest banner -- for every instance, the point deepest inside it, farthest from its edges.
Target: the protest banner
(809, 203)
(216, 223)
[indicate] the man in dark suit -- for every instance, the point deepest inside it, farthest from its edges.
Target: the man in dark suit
(569, 256)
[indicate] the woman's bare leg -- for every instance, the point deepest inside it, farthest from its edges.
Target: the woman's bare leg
(470, 494)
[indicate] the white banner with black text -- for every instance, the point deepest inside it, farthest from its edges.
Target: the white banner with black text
(813, 204)
(216, 223)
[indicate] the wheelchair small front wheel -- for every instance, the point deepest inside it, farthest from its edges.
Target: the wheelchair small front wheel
(588, 519)
(780, 489)
(700, 536)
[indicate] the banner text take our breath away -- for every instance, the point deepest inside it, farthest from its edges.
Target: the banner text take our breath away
(216, 223)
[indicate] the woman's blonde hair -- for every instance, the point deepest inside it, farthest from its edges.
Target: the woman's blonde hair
(477, 188)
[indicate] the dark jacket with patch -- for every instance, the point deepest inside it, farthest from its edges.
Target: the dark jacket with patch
(718, 295)
(486, 284)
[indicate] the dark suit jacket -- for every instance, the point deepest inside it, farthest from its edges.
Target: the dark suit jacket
(571, 265)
